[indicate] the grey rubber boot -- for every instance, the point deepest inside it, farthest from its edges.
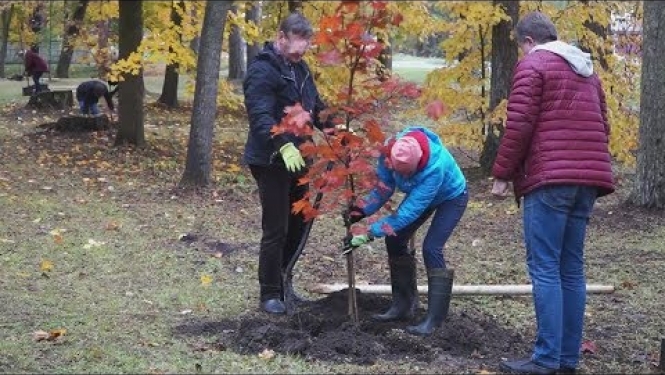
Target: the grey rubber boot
(440, 286)
(404, 290)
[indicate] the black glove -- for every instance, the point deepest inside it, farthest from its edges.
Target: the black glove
(353, 215)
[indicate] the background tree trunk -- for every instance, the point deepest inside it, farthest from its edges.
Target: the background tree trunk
(237, 64)
(6, 19)
(131, 90)
(504, 58)
(103, 55)
(295, 6)
(253, 14)
(198, 167)
(70, 31)
(649, 188)
(602, 49)
(169, 96)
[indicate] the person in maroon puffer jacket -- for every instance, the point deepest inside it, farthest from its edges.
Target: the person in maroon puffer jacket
(35, 66)
(555, 152)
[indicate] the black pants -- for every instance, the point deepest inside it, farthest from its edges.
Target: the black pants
(282, 230)
(35, 78)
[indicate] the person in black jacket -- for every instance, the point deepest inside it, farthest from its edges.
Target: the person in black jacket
(277, 78)
(88, 94)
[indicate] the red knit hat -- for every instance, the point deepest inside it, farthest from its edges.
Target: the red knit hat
(405, 155)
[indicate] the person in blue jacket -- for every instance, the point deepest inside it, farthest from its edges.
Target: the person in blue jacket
(418, 164)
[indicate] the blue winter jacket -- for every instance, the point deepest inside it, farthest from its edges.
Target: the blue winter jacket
(440, 180)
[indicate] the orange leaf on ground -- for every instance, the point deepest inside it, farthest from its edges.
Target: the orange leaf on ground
(588, 347)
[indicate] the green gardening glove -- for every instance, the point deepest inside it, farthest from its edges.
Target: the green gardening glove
(360, 239)
(292, 157)
(351, 241)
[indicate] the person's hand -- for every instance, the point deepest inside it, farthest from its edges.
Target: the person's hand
(501, 188)
(353, 215)
(351, 241)
(292, 157)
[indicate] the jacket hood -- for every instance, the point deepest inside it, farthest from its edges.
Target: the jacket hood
(579, 60)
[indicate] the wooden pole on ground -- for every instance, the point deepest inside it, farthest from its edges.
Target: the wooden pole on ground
(510, 289)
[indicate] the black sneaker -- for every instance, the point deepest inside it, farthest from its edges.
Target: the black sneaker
(525, 366)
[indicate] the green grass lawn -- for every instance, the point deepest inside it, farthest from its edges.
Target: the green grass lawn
(91, 243)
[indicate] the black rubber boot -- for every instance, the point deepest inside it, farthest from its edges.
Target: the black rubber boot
(440, 285)
(404, 290)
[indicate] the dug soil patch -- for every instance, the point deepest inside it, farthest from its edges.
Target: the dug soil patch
(322, 331)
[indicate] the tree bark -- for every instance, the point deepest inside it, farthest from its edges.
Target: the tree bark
(253, 14)
(131, 90)
(600, 31)
(237, 64)
(295, 6)
(6, 18)
(169, 96)
(649, 190)
(504, 58)
(103, 55)
(198, 167)
(67, 49)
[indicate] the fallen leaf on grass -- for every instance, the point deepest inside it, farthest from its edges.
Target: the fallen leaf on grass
(51, 335)
(112, 225)
(92, 243)
(46, 265)
(206, 280)
(267, 354)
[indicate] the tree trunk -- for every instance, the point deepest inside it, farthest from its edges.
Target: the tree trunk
(253, 14)
(649, 188)
(67, 49)
(295, 6)
(504, 58)
(103, 55)
(237, 64)
(131, 90)
(6, 19)
(600, 31)
(169, 96)
(198, 167)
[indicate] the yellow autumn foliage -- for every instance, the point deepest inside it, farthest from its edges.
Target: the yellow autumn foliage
(464, 84)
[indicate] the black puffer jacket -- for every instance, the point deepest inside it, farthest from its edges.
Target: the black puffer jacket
(270, 86)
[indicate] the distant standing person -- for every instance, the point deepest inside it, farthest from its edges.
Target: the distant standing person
(88, 94)
(35, 66)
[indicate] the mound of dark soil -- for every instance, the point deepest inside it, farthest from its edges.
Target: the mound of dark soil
(322, 330)
(79, 124)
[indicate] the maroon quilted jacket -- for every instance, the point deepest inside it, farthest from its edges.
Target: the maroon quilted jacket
(34, 63)
(557, 129)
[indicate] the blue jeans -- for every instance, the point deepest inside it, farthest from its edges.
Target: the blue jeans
(445, 219)
(555, 221)
(88, 109)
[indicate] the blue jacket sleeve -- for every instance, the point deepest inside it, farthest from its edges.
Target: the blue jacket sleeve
(260, 100)
(380, 194)
(412, 207)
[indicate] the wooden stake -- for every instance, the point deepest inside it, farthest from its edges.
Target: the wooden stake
(661, 364)
(353, 299)
(510, 289)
